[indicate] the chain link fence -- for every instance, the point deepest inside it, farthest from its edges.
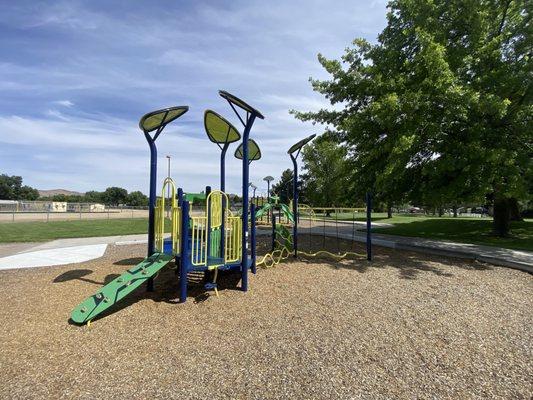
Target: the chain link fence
(45, 211)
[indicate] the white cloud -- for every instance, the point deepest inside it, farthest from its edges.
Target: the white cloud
(79, 77)
(64, 103)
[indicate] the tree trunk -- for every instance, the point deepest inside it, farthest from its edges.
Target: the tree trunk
(502, 216)
(454, 211)
(514, 210)
(441, 211)
(389, 211)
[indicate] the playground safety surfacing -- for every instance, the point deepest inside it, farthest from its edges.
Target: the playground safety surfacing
(406, 326)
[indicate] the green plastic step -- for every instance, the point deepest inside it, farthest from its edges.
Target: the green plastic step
(119, 288)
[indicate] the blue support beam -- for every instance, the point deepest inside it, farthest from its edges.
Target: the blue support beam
(295, 204)
(151, 203)
(252, 218)
(185, 257)
(245, 200)
(369, 226)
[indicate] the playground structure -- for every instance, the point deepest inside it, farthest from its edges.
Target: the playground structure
(217, 240)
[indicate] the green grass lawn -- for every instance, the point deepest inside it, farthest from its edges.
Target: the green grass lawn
(44, 231)
(396, 218)
(464, 230)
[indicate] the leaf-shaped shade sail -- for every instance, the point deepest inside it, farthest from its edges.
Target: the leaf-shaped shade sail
(254, 153)
(155, 119)
(218, 129)
(240, 103)
(300, 144)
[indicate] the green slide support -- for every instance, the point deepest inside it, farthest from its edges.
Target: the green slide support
(267, 207)
(287, 212)
(119, 288)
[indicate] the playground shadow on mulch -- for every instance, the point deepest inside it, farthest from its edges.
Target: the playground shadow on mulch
(411, 265)
(80, 274)
(129, 261)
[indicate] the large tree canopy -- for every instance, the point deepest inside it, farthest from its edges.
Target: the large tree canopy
(439, 110)
(324, 178)
(11, 188)
(283, 188)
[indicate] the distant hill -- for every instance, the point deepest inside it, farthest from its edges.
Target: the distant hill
(53, 192)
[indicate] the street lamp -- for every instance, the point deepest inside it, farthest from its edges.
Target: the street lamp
(268, 179)
(254, 189)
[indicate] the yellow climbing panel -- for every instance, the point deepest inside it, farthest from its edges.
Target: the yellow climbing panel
(216, 211)
(175, 217)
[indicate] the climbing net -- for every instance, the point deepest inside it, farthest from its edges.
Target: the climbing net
(284, 243)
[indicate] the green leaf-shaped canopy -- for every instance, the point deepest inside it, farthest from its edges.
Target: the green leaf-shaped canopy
(240, 103)
(218, 129)
(254, 153)
(300, 144)
(155, 119)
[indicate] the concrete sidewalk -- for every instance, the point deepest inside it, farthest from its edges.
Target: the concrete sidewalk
(63, 251)
(60, 251)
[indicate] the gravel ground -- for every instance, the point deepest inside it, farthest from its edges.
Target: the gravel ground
(404, 326)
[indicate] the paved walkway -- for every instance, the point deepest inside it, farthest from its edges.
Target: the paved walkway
(60, 251)
(50, 257)
(64, 251)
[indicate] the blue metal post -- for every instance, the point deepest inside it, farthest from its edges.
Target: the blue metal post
(273, 231)
(268, 201)
(223, 189)
(184, 251)
(295, 205)
(369, 226)
(252, 228)
(245, 183)
(180, 196)
(151, 204)
(183, 233)
(208, 222)
(223, 167)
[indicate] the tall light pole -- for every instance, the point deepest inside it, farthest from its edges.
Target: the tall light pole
(268, 179)
(254, 188)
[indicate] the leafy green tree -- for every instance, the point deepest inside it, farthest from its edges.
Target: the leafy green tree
(93, 197)
(325, 177)
(439, 111)
(27, 193)
(137, 199)
(283, 188)
(11, 188)
(59, 197)
(115, 196)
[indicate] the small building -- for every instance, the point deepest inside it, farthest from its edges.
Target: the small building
(57, 206)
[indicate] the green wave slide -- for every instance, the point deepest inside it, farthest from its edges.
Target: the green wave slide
(284, 208)
(119, 288)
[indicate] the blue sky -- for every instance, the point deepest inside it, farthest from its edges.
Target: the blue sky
(76, 76)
